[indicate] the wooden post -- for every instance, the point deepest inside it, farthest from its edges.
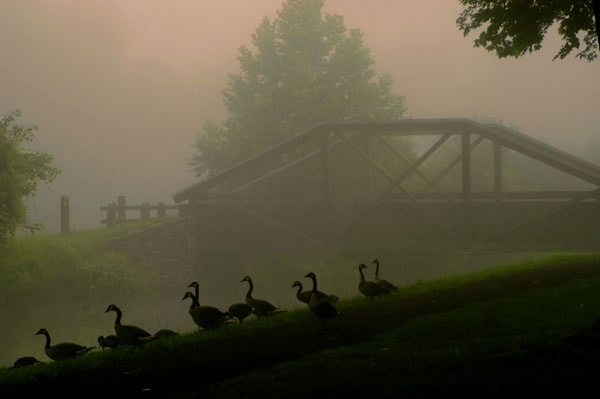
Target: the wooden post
(145, 211)
(111, 215)
(326, 186)
(183, 210)
(466, 189)
(364, 142)
(162, 211)
(498, 171)
(64, 214)
(121, 215)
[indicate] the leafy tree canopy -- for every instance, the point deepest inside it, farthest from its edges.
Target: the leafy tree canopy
(20, 172)
(515, 27)
(306, 67)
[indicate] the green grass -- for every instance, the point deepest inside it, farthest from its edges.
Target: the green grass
(459, 350)
(472, 331)
(58, 281)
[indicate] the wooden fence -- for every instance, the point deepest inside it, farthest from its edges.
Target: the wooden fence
(116, 213)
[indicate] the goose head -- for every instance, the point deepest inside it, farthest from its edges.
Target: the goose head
(41, 331)
(113, 308)
(247, 278)
(376, 261)
(362, 266)
(311, 275)
(297, 284)
(194, 284)
(187, 295)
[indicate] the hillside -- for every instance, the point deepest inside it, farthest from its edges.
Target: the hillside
(495, 330)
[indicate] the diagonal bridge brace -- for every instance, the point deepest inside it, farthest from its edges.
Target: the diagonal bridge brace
(452, 164)
(429, 182)
(269, 222)
(396, 183)
(285, 166)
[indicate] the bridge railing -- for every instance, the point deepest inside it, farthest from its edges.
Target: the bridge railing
(116, 213)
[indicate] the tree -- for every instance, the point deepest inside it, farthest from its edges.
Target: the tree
(20, 172)
(515, 27)
(307, 67)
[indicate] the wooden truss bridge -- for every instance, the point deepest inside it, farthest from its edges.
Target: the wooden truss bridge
(350, 184)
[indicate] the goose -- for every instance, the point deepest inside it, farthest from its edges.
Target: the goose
(65, 350)
(304, 296)
(110, 341)
(127, 334)
(240, 311)
(206, 317)
(320, 305)
(370, 289)
(259, 307)
(384, 283)
(24, 362)
(211, 312)
(196, 289)
(165, 333)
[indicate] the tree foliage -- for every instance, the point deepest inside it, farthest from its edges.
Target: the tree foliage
(512, 28)
(306, 67)
(20, 172)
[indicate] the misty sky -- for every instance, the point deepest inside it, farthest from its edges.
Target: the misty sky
(119, 89)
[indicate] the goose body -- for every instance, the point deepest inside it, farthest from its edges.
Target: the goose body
(206, 317)
(259, 307)
(25, 361)
(320, 305)
(370, 289)
(165, 333)
(384, 283)
(304, 296)
(110, 341)
(240, 311)
(65, 350)
(127, 334)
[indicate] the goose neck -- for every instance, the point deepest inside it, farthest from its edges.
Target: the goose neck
(197, 292)
(250, 288)
(118, 319)
(314, 280)
(47, 339)
(195, 301)
(299, 292)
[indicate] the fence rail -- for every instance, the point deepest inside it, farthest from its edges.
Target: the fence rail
(116, 213)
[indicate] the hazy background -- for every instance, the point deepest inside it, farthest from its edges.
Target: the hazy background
(119, 89)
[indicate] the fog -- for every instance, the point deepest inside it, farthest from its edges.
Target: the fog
(120, 89)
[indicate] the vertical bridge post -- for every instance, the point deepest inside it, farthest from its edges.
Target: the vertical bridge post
(466, 189)
(121, 210)
(111, 215)
(64, 214)
(326, 186)
(161, 210)
(145, 211)
(498, 171)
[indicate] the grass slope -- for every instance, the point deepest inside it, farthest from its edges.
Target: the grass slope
(457, 333)
(61, 282)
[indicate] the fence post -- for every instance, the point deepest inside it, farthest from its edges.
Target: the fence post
(111, 215)
(162, 211)
(64, 214)
(183, 210)
(145, 211)
(121, 209)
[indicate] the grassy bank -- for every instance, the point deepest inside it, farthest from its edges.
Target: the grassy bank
(439, 333)
(509, 344)
(62, 283)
